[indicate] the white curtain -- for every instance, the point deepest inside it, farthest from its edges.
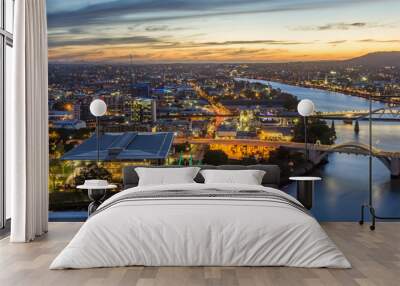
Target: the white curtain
(27, 126)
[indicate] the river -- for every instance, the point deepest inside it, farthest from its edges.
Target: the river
(344, 187)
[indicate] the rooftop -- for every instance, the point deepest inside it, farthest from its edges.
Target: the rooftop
(127, 146)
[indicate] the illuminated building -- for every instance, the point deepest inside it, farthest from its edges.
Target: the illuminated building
(143, 110)
(239, 152)
(114, 104)
(275, 133)
(246, 121)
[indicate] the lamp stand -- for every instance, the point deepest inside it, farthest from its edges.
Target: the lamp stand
(97, 141)
(305, 139)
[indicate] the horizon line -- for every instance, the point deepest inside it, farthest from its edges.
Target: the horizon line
(212, 62)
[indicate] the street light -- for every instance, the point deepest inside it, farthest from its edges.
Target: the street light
(98, 108)
(305, 108)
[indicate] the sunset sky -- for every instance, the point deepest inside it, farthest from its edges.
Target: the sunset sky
(154, 31)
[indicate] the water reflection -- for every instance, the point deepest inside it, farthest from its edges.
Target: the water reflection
(345, 178)
(327, 100)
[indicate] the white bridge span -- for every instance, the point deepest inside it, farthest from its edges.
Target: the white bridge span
(390, 159)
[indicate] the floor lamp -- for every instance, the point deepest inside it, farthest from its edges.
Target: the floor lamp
(98, 108)
(305, 108)
(370, 205)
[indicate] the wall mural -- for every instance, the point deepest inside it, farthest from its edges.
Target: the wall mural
(225, 77)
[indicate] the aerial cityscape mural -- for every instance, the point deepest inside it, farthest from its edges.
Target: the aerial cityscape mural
(226, 77)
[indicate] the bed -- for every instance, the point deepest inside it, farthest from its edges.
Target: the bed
(198, 224)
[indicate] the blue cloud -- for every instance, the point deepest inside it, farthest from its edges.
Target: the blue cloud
(144, 11)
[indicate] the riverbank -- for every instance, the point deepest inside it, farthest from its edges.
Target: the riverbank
(353, 93)
(323, 100)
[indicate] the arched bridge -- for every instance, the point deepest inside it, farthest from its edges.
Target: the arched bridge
(390, 159)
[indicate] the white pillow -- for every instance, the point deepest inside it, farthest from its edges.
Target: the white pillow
(248, 177)
(166, 176)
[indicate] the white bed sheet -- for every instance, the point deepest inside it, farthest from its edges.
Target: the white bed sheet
(200, 232)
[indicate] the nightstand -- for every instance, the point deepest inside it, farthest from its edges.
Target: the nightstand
(305, 190)
(97, 190)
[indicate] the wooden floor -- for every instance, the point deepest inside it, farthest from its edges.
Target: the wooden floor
(375, 257)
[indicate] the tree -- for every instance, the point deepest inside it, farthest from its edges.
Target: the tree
(55, 170)
(215, 157)
(248, 93)
(60, 105)
(182, 147)
(59, 171)
(286, 160)
(92, 172)
(248, 161)
(317, 129)
(290, 102)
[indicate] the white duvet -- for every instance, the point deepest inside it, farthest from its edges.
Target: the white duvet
(202, 232)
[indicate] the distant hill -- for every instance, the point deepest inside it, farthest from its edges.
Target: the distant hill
(377, 59)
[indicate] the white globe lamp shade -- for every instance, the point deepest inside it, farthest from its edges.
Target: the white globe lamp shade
(98, 107)
(305, 107)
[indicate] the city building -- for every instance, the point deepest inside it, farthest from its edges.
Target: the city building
(115, 104)
(247, 121)
(275, 133)
(69, 124)
(55, 115)
(81, 109)
(226, 131)
(143, 110)
(140, 90)
(127, 146)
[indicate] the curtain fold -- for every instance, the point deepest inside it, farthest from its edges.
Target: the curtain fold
(27, 124)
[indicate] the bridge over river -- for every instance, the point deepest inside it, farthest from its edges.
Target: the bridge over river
(317, 152)
(380, 114)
